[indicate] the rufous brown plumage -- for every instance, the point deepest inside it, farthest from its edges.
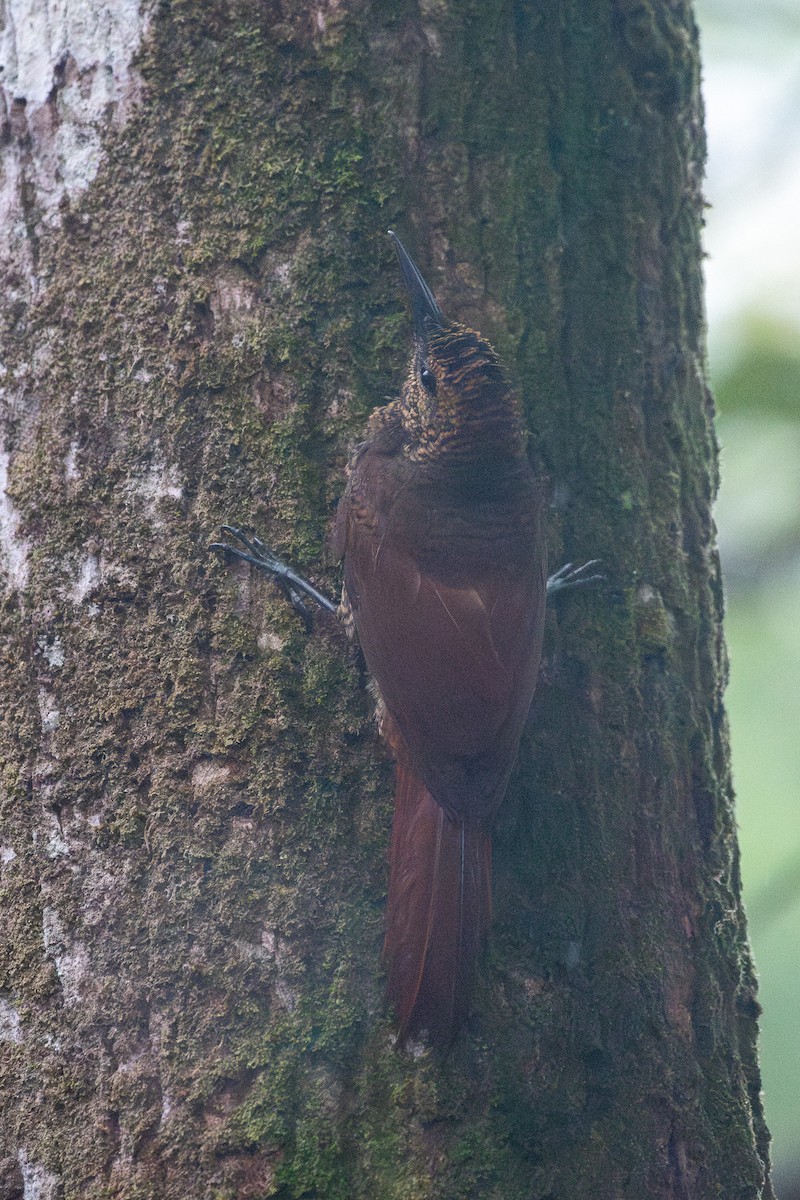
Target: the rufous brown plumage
(444, 580)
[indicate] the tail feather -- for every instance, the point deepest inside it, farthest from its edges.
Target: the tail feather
(439, 909)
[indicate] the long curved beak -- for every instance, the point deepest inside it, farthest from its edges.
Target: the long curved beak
(424, 309)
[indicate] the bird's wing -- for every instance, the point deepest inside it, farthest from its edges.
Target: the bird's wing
(456, 665)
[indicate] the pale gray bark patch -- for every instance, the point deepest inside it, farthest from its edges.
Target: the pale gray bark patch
(10, 1024)
(13, 547)
(38, 1183)
(65, 78)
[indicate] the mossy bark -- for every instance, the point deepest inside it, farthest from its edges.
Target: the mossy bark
(195, 803)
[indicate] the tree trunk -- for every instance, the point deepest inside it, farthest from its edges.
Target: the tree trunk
(201, 310)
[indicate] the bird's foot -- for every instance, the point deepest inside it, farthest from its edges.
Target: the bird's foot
(569, 577)
(295, 588)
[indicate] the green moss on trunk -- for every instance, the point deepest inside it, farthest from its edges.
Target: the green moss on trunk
(194, 911)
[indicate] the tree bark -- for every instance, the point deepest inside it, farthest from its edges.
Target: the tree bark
(195, 804)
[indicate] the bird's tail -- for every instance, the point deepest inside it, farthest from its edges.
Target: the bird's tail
(440, 887)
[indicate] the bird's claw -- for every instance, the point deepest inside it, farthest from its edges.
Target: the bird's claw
(292, 585)
(568, 577)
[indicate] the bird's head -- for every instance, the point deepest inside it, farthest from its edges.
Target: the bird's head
(455, 398)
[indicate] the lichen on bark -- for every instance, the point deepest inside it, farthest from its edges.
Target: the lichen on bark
(195, 804)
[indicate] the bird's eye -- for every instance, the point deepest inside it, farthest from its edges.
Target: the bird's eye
(428, 380)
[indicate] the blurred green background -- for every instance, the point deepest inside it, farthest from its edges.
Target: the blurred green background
(751, 55)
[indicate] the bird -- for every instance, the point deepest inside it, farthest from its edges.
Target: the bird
(440, 534)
